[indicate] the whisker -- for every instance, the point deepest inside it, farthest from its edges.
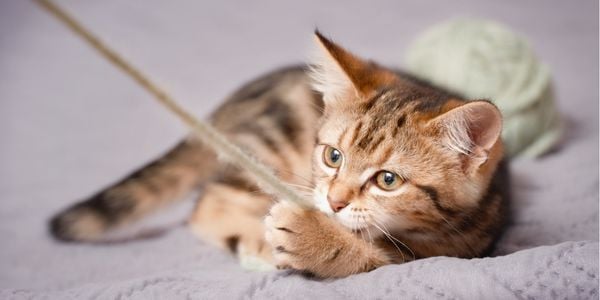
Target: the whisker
(387, 235)
(377, 209)
(368, 232)
(353, 245)
(355, 223)
(391, 240)
(370, 237)
(397, 240)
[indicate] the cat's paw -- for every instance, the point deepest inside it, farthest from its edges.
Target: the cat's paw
(301, 239)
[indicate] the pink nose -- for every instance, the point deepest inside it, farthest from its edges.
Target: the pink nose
(336, 205)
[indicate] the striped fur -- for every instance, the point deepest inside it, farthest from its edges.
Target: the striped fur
(447, 152)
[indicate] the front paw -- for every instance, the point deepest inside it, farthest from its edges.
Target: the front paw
(302, 239)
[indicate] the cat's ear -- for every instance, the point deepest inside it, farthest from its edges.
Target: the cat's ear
(471, 129)
(340, 75)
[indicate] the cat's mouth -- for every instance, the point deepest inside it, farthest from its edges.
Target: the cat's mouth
(356, 220)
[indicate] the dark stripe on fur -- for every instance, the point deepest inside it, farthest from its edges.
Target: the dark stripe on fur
(497, 192)
(356, 131)
(106, 209)
(286, 121)
(433, 196)
(115, 204)
(376, 143)
(365, 140)
(370, 103)
(500, 185)
(430, 103)
(262, 134)
(400, 122)
(232, 243)
(386, 155)
(234, 178)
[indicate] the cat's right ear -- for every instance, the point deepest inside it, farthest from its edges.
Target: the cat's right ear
(471, 129)
(341, 76)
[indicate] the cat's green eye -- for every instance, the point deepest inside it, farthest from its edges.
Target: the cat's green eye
(332, 157)
(388, 181)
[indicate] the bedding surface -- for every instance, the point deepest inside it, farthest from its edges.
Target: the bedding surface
(71, 124)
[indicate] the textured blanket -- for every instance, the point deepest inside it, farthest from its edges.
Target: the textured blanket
(70, 123)
(565, 271)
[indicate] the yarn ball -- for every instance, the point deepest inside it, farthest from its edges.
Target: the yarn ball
(481, 59)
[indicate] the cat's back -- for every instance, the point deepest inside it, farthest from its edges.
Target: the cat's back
(283, 95)
(275, 117)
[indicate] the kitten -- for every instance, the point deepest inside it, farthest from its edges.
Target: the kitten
(398, 169)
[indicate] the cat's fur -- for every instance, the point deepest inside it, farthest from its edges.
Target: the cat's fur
(446, 151)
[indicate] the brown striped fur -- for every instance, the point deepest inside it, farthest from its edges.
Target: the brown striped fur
(447, 151)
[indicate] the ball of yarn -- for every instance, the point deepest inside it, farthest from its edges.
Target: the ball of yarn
(482, 59)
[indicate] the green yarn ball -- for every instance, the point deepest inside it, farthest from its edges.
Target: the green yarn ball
(484, 60)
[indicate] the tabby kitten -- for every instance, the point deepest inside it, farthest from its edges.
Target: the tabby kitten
(398, 169)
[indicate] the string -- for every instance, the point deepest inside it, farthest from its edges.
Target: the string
(207, 133)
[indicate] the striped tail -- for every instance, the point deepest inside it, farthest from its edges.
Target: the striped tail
(159, 183)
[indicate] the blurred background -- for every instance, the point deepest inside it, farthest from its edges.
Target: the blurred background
(71, 123)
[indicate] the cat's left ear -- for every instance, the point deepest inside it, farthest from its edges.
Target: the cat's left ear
(471, 129)
(341, 76)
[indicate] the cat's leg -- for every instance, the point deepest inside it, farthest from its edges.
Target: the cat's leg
(309, 240)
(232, 218)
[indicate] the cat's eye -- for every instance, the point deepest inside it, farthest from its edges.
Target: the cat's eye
(332, 157)
(387, 181)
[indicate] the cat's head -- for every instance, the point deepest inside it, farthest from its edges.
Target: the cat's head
(394, 154)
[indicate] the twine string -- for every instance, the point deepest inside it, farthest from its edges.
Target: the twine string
(207, 133)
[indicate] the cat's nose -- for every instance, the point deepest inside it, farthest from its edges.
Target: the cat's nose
(336, 204)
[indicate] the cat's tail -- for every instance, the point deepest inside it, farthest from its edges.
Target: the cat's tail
(161, 182)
